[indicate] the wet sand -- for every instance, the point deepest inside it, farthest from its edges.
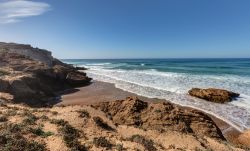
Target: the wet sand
(102, 91)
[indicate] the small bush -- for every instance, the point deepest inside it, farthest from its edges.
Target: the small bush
(12, 140)
(11, 113)
(70, 135)
(3, 118)
(102, 142)
(99, 122)
(83, 113)
(30, 120)
(54, 112)
(44, 117)
(158, 111)
(59, 122)
(119, 147)
(147, 144)
(2, 72)
(39, 132)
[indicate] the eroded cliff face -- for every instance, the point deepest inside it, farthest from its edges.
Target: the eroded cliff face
(24, 79)
(37, 54)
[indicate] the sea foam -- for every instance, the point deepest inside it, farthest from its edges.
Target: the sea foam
(174, 87)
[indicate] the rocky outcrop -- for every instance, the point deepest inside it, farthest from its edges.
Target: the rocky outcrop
(159, 116)
(35, 82)
(37, 54)
(213, 95)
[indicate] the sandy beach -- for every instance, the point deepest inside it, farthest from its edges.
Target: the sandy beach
(99, 91)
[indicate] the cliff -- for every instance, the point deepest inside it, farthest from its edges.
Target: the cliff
(37, 54)
(25, 79)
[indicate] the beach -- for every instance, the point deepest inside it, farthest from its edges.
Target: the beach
(49, 105)
(99, 91)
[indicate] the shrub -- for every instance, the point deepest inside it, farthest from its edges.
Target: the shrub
(30, 120)
(44, 117)
(2, 72)
(11, 113)
(119, 147)
(102, 142)
(3, 118)
(39, 132)
(59, 122)
(54, 112)
(70, 135)
(99, 122)
(83, 113)
(12, 140)
(147, 144)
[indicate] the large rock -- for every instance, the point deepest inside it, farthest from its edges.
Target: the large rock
(159, 116)
(213, 95)
(41, 55)
(77, 78)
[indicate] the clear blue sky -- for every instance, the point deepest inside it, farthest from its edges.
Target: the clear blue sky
(130, 28)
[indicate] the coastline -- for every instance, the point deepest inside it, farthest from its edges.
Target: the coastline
(99, 91)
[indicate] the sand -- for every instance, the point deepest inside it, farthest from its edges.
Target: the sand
(102, 91)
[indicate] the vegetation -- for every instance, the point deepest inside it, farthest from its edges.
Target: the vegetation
(70, 135)
(2, 72)
(3, 118)
(102, 142)
(30, 119)
(11, 139)
(59, 122)
(39, 132)
(83, 113)
(147, 144)
(99, 122)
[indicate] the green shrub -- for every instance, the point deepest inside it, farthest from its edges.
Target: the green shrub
(30, 120)
(12, 140)
(83, 113)
(2, 72)
(70, 135)
(147, 144)
(102, 142)
(39, 132)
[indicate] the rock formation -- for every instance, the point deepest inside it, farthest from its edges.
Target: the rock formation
(213, 95)
(37, 54)
(159, 116)
(35, 82)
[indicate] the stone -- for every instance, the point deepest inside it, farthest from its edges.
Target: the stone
(213, 95)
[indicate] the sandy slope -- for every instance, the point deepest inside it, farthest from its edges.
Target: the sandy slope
(96, 136)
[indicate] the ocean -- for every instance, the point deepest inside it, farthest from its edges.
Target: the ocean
(171, 79)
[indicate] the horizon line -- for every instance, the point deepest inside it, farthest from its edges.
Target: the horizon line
(150, 58)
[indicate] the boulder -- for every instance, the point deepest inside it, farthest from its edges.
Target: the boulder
(213, 95)
(159, 116)
(77, 78)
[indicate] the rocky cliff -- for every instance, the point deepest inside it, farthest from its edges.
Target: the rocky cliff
(37, 54)
(25, 79)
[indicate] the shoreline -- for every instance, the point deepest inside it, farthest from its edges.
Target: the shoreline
(99, 91)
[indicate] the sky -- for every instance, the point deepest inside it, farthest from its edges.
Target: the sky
(91, 29)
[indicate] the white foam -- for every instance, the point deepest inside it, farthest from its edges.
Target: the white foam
(174, 86)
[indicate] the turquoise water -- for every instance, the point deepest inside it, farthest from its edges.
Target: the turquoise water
(172, 78)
